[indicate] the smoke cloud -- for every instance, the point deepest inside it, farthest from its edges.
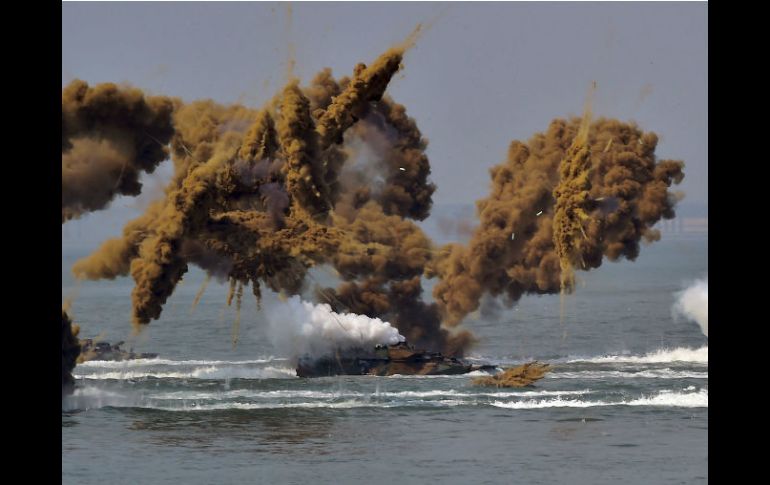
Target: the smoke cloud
(693, 304)
(109, 136)
(335, 174)
(558, 202)
(299, 328)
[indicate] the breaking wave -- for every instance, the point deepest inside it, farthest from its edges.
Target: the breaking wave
(348, 404)
(112, 364)
(662, 356)
(207, 372)
(619, 374)
(85, 398)
(476, 373)
(291, 394)
(699, 399)
(90, 398)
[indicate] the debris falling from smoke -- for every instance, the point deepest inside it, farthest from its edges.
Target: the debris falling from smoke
(237, 322)
(693, 304)
(572, 198)
(200, 292)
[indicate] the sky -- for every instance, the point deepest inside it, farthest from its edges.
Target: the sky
(481, 75)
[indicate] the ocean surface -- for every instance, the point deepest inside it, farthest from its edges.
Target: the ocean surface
(626, 402)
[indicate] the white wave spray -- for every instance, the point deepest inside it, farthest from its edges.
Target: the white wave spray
(693, 304)
(299, 328)
(665, 398)
(661, 356)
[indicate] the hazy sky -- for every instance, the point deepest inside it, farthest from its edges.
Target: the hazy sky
(480, 76)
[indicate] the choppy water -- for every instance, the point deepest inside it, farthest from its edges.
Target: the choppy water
(627, 399)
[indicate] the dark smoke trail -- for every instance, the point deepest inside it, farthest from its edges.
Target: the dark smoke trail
(199, 295)
(237, 322)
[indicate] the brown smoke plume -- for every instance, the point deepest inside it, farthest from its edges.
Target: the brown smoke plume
(368, 84)
(299, 146)
(512, 252)
(109, 136)
(397, 149)
(331, 174)
(572, 196)
(252, 191)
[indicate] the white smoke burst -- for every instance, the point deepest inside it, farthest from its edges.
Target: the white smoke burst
(299, 328)
(693, 304)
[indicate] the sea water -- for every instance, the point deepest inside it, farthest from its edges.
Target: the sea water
(626, 401)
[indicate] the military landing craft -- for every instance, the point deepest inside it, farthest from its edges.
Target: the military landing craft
(90, 350)
(401, 359)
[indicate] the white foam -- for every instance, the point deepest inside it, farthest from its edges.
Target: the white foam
(294, 394)
(476, 394)
(476, 373)
(664, 399)
(537, 393)
(349, 404)
(616, 374)
(248, 393)
(113, 364)
(662, 356)
(208, 372)
(95, 398)
(547, 403)
(82, 403)
(698, 399)
(90, 397)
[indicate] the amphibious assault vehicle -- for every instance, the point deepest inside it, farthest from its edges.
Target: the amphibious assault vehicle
(90, 350)
(401, 358)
